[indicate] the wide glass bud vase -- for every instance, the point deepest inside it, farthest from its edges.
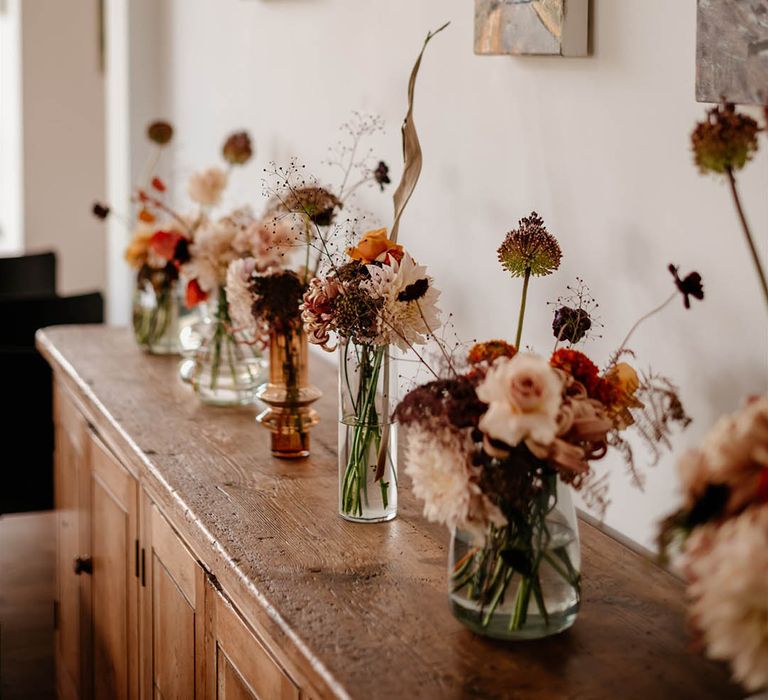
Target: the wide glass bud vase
(367, 435)
(227, 367)
(288, 394)
(523, 581)
(159, 313)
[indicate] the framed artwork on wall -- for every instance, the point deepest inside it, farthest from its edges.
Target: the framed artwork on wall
(532, 27)
(732, 51)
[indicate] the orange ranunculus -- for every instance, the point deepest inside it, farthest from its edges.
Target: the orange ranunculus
(626, 381)
(194, 294)
(164, 243)
(374, 246)
(138, 249)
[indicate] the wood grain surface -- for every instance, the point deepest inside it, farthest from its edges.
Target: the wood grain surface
(361, 611)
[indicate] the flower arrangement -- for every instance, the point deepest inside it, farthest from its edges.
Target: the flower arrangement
(492, 449)
(380, 298)
(721, 527)
(265, 291)
(374, 298)
(722, 530)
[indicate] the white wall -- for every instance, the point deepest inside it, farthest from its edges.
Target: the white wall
(598, 146)
(11, 194)
(63, 137)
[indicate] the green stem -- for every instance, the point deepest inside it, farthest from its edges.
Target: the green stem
(523, 300)
(748, 233)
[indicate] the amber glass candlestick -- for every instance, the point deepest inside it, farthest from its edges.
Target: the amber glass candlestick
(288, 394)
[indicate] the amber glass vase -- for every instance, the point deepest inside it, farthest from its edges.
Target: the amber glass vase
(288, 394)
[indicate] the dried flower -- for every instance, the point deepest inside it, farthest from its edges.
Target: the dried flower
(375, 246)
(689, 286)
(530, 249)
(571, 324)
(445, 481)
(100, 211)
(194, 294)
(318, 309)
(524, 394)
(239, 298)
(725, 141)
(734, 454)
(316, 203)
(237, 149)
(206, 186)
(404, 322)
(277, 298)
(489, 351)
(729, 588)
(160, 132)
(137, 252)
(381, 175)
(444, 404)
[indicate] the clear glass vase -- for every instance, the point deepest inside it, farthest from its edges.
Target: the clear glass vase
(227, 367)
(367, 435)
(159, 314)
(524, 581)
(288, 394)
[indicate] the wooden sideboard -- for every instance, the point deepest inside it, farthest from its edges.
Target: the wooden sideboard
(191, 564)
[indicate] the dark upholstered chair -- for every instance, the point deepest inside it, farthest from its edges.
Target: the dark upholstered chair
(28, 275)
(26, 402)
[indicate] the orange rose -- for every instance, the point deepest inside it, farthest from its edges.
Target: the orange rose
(138, 249)
(374, 246)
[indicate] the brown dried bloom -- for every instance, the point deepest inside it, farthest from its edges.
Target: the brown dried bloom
(317, 203)
(725, 141)
(530, 249)
(160, 132)
(237, 149)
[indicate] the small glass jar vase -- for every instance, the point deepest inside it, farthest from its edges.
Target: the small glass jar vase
(288, 394)
(367, 435)
(158, 312)
(524, 581)
(226, 368)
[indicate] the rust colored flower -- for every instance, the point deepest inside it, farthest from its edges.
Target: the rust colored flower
(137, 252)
(689, 286)
(530, 249)
(490, 351)
(160, 132)
(194, 294)
(146, 216)
(578, 365)
(158, 184)
(237, 149)
(725, 141)
(375, 246)
(166, 243)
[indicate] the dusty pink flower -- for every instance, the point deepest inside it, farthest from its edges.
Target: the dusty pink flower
(524, 394)
(206, 186)
(728, 569)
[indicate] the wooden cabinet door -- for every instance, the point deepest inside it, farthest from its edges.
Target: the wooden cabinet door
(239, 666)
(114, 576)
(71, 483)
(173, 613)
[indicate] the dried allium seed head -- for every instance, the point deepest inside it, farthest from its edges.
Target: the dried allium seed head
(725, 140)
(530, 248)
(237, 149)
